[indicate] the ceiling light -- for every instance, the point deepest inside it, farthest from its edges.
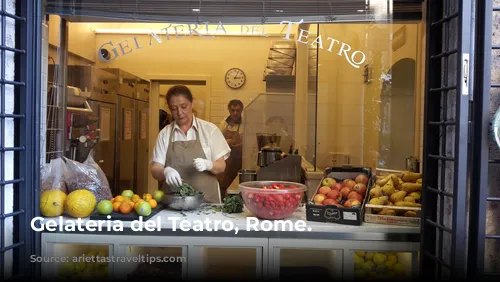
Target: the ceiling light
(195, 10)
(361, 11)
(278, 11)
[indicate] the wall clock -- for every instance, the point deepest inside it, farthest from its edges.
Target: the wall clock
(235, 78)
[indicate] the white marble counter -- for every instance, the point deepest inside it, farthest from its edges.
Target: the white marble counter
(208, 217)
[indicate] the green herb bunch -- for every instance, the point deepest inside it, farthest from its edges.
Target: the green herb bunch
(233, 204)
(187, 190)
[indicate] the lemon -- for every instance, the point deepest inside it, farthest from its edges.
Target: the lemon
(392, 258)
(399, 269)
(379, 258)
(369, 256)
(368, 266)
(358, 262)
(361, 254)
(389, 264)
(381, 268)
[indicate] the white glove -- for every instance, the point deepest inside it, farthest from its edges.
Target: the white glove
(202, 164)
(172, 177)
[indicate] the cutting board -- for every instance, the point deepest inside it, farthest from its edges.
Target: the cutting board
(126, 217)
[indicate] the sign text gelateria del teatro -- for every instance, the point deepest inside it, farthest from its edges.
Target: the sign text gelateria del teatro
(127, 46)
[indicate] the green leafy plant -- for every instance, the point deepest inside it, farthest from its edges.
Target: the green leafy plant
(187, 190)
(233, 204)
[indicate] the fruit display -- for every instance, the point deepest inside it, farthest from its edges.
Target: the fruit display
(52, 202)
(379, 265)
(272, 200)
(83, 267)
(80, 203)
(396, 194)
(347, 192)
(129, 202)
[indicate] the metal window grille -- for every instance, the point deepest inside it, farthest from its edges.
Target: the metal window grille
(19, 140)
(484, 235)
(443, 236)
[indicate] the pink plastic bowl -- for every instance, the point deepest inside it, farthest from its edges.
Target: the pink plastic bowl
(272, 199)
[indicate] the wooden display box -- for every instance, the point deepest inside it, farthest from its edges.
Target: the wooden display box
(335, 214)
(371, 210)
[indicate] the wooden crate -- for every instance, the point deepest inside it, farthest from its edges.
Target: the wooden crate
(371, 210)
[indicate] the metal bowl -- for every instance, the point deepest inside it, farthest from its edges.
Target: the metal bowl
(183, 203)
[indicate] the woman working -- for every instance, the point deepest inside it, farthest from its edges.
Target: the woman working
(189, 150)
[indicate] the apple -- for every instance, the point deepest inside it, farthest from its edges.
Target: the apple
(336, 186)
(128, 193)
(328, 182)
(349, 182)
(334, 195)
(158, 195)
(345, 191)
(360, 188)
(352, 203)
(329, 202)
(318, 203)
(355, 195)
(319, 198)
(338, 205)
(324, 190)
(363, 179)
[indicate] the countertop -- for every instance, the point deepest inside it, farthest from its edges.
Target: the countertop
(168, 220)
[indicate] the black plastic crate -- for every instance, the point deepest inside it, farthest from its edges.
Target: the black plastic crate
(335, 214)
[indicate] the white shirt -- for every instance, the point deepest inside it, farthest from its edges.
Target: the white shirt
(211, 138)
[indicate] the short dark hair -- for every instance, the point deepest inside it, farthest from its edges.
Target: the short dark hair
(235, 102)
(179, 90)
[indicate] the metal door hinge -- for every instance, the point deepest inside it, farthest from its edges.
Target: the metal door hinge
(465, 76)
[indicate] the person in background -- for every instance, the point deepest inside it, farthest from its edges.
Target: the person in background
(165, 119)
(189, 150)
(232, 129)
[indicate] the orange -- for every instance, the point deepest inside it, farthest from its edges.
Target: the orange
(127, 208)
(153, 203)
(116, 206)
(146, 197)
(135, 198)
(112, 200)
(119, 198)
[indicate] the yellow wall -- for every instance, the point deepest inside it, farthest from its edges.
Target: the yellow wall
(81, 41)
(348, 109)
(194, 56)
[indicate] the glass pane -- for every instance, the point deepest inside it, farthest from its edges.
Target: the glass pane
(367, 113)
(309, 263)
(82, 262)
(230, 263)
(152, 262)
(382, 265)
